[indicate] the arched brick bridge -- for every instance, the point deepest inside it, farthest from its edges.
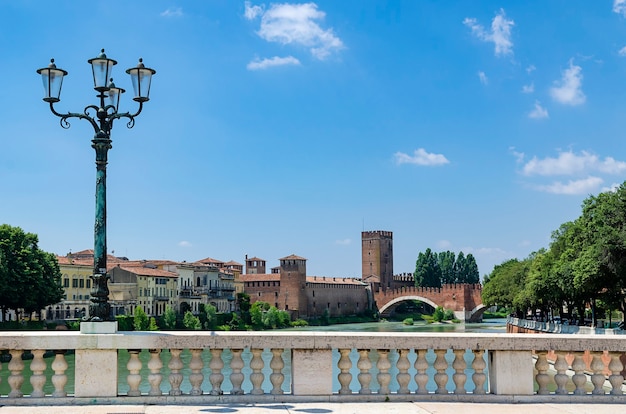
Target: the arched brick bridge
(464, 299)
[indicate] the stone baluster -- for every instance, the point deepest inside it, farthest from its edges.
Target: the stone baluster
(175, 365)
(616, 379)
(479, 377)
(579, 378)
(403, 376)
(441, 378)
(459, 377)
(257, 377)
(344, 376)
(133, 378)
(421, 365)
(383, 365)
(276, 377)
(59, 379)
(364, 365)
(155, 377)
(236, 377)
(37, 378)
(561, 377)
(542, 377)
(16, 379)
(196, 377)
(216, 378)
(597, 377)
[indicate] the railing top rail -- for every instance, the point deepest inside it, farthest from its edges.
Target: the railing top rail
(309, 340)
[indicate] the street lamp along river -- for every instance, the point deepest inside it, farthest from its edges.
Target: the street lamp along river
(102, 122)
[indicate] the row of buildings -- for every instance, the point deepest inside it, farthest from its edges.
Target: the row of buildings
(156, 284)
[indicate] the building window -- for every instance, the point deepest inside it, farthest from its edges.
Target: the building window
(74, 283)
(81, 283)
(88, 283)
(66, 282)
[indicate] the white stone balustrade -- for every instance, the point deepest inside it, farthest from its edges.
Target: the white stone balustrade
(309, 366)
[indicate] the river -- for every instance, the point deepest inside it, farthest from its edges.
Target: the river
(489, 326)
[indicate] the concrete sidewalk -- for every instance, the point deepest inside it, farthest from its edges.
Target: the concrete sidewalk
(328, 408)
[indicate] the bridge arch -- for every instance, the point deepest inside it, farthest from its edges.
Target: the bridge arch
(476, 314)
(386, 309)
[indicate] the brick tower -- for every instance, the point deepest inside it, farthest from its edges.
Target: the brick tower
(293, 285)
(377, 258)
(255, 266)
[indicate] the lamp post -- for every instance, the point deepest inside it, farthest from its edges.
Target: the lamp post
(102, 122)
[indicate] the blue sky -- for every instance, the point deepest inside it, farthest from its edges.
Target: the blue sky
(280, 128)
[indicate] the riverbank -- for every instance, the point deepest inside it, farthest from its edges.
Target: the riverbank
(517, 325)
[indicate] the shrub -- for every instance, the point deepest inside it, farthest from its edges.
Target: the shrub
(124, 322)
(299, 322)
(438, 314)
(408, 321)
(448, 315)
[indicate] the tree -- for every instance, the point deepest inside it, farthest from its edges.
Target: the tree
(169, 318)
(243, 301)
(603, 261)
(140, 321)
(152, 326)
(446, 261)
(472, 275)
(427, 271)
(209, 315)
(191, 322)
(30, 278)
(504, 284)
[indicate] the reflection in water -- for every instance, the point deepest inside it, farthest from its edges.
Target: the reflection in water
(488, 326)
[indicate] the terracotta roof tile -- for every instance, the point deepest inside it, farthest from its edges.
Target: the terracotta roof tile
(263, 277)
(146, 271)
(292, 257)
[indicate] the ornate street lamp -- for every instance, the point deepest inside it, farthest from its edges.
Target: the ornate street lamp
(102, 122)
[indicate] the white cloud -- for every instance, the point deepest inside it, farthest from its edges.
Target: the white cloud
(172, 12)
(538, 112)
(251, 12)
(444, 244)
(528, 88)
(483, 78)
(530, 69)
(519, 156)
(420, 157)
(568, 90)
(610, 189)
(622, 51)
(568, 163)
(500, 33)
(184, 243)
(296, 24)
(343, 242)
(573, 187)
(619, 6)
(258, 64)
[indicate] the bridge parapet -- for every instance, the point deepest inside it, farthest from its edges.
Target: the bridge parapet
(464, 299)
(252, 367)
